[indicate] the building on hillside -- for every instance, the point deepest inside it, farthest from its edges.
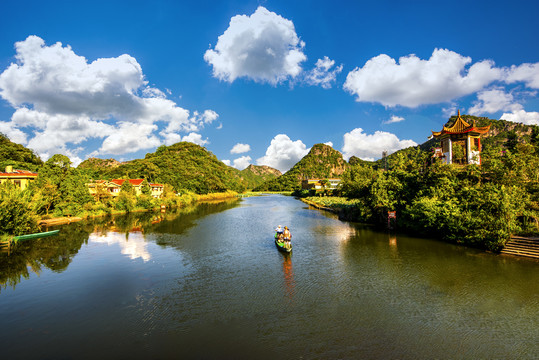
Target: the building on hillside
(460, 143)
(20, 178)
(318, 184)
(112, 187)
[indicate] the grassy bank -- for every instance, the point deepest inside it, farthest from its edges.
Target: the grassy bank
(23, 218)
(347, 209)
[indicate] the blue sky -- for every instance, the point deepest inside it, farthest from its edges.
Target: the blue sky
(259, 82)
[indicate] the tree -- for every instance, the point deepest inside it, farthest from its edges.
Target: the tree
(74, 192)
(60, 161)
(512, 140)
(45, 195)
(127, 188)
(146, 190)
(16, 214)
(126, 201)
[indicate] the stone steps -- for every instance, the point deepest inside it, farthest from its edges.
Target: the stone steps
(522, 246)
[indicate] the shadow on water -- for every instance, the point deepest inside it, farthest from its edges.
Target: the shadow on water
(53, 253)
(57, 252)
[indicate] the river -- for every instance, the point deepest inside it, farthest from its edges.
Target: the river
(208, 282)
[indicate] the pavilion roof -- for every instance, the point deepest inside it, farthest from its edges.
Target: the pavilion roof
(461, 127)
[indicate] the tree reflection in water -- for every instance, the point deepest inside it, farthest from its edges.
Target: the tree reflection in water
(54, 253)
(57, 252)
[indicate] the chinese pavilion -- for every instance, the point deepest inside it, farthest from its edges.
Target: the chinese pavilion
(460, 143)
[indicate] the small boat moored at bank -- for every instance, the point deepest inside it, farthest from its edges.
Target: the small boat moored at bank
(36, 235)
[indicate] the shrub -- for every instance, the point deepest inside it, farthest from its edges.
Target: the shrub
(16, 214)
(145, 202)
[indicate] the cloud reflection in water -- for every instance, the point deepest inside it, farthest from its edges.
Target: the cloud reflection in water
(132, 244)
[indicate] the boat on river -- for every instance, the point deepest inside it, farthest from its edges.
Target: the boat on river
(281, 246)
(36, 235)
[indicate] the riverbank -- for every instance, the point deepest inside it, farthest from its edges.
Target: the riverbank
(346, 209)
(58, 221)
(184, 200)
(349, 209)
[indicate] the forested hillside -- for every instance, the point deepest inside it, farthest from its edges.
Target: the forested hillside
(185, 166)
(254, 175)
(322, 161)
(475, 205)
(17, 155)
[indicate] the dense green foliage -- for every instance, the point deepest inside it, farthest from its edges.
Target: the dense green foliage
(60, 187)
(475, 205)
(185, 166)
(321, 162)
(17, 155)
(254, 175)
(191, 167)
(17, 217)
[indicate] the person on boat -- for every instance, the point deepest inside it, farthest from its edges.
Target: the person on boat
(287, 237)
(279, 233)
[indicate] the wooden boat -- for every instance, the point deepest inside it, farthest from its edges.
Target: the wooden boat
(36, 235)
(281, 247)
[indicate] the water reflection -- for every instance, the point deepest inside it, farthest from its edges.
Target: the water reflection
(128, 231)
(288, 273)
(132, 244)
(53, 253)
(393, 240)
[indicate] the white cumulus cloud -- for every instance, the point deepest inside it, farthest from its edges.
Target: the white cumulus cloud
(412, 81)
(12, 132)
(527, 73)
(521, 116)
(195, 139)
(370, 147)
(322, 74)
(393, 119)
(263, 47)
(493, 100)
(239, 163)
(240, 148)
(61, 99)
(283, 153)
(129, 138)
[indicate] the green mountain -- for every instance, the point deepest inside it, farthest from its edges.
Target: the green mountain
(95, 167)
(354, 160)
(17, 155)
(322, 162)
(254, 175)
(97, 164)
(185, 166)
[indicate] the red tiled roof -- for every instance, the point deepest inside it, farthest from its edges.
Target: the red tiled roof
(158, 185)
(134, 182)
(19, 173)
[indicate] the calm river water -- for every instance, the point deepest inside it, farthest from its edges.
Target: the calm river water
(207, 282)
